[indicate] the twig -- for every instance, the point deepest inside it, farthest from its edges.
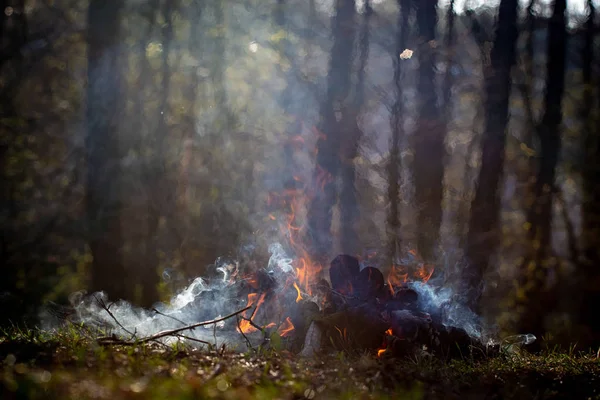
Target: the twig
(168, 316)
(215, 334)
(192, 339)
(253, 324)
(172, 332)
(106, 308)
(244, 335)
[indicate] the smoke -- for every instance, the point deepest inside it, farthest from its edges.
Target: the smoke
(202, 300)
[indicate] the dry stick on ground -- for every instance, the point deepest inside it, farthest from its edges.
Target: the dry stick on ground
(168, 316)
(193, 339)
(173, 332)
(244, 335)
(106, 308)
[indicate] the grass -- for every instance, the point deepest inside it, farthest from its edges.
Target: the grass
(68, 364)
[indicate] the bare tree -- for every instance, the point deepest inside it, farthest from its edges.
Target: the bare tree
(590, 274)
(428, 139)
(103, 150)
(483, 224)
(349, 150)
(338, 86)
(539, 260)
(397, 128)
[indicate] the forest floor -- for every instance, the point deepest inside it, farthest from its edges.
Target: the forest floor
(68, 365)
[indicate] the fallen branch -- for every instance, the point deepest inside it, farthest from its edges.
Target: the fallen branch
(244, 335)
(193, 339)
(106, 308)
(172, 332)
(168, 316)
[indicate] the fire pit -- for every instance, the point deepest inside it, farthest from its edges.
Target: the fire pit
(288, 306)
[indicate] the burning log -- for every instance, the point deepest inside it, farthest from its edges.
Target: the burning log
(370, 284)
(343, 273)
(356, 328)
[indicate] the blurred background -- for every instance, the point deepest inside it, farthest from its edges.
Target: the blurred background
(142, 142)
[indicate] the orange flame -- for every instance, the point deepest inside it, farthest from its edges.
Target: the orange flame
(424, 272)
(286, 327)
(299, 294)
(397, 277)
(383, 348)
(245, 325)
(293, 203)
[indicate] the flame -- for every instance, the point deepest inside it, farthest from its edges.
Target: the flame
(299, 294)
(245, 325)
(397, 277)
(383, 348)
(252, 281)
(399, 274)
(343, 333)
(424, 272)
(292, 204)
(286, 327)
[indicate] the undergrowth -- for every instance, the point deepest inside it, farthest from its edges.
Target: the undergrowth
(69, 364)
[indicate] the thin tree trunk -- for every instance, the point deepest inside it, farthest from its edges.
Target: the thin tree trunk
(103, 152)
(184, 199)
(397, 128)
(349, 211)
(535, 268)
(141, 256)
(160, 197)
(429, 138)
(327, 168)
(485, 207)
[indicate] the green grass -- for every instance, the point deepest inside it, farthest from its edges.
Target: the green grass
(68, 364)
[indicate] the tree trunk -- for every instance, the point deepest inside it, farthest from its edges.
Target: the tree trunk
(534, 300)
(327, 168)
(429, 137)
(590, 274)
(184, 197)
(397, 129)
(349, 211)
(485, 207)
(103, 200)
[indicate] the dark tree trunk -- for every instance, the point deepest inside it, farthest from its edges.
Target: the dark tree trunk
(327, 168)
(140, 259)
(429, 137)
(160, 197)
(349, 211)
(218, 72)
(483, 224)
(13, 36)
(526, 174)
(590, 274)
(189, 249)
(535, 301)
(397, 129)
(103, 151)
